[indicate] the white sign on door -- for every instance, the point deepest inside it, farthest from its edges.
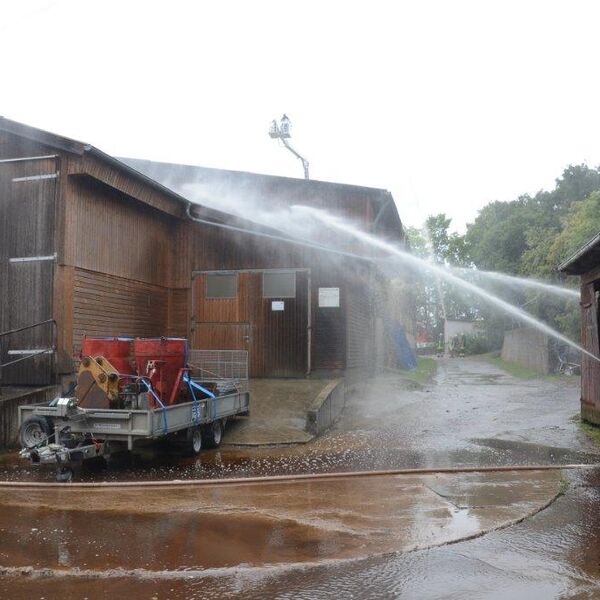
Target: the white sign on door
(277, 305)
(329, 297)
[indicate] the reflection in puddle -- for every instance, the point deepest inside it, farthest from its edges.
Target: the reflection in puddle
(259, 524)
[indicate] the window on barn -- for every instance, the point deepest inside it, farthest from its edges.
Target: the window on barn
(221, 285)
(279, 284)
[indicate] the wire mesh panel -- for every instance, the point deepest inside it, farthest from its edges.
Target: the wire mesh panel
(214, 365)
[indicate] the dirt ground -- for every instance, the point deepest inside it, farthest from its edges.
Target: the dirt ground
(537, 534)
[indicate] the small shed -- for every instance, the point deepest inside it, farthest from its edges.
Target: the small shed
(586, 263)
(454, 327)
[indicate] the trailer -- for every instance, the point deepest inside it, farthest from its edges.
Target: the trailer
(156, 391)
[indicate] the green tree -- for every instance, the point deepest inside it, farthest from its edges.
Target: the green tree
(531, 235)
(580, 225)
(498, 237)
(436, 231)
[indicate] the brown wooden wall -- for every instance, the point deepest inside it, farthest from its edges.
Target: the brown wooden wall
(115, 234)
(328, 324)
(179, 312)
(27, 222)
(590, 368)
(115, 306)
(13, 146)
(360, 326)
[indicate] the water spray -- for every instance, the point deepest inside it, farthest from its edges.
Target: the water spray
(419, 263)
(525, 282)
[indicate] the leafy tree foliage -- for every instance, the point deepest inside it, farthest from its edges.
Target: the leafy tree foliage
(581, 223)
(527, 237)
(516, 237)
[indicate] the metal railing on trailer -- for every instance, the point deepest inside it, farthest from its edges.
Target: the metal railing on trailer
(227, 370)
(26, 355)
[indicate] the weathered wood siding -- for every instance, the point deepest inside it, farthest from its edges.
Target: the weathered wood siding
(117, 235)
(14, 146)
(590, 369)
(329, 323)
(27, 221)
(108, 305)
(360, 326)
(178, 319)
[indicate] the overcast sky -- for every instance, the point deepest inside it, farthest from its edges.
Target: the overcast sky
(447, 104)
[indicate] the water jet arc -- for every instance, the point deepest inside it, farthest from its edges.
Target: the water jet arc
(421, 264)
(525, 282)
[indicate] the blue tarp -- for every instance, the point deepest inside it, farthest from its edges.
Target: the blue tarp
(405, 355)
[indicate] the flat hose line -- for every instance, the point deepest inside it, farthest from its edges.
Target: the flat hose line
(290, 478)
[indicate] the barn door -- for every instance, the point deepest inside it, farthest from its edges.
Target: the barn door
(220, 319)
(27, 257)
(280, 312)
(263, 312)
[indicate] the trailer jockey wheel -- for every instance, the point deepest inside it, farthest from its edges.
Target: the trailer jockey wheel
(212, 434)
(64, 474)
(194, 440)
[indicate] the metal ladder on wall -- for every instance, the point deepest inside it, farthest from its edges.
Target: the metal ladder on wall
(29, 353)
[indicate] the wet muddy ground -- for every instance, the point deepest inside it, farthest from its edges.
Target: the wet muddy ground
(358, 540)
(473, 415)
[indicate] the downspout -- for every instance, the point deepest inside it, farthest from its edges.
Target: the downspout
(271, 236)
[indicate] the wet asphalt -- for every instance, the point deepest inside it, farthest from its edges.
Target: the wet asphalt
(472, 415)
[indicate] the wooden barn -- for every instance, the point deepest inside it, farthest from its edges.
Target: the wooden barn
(586, 263)
(93, 245)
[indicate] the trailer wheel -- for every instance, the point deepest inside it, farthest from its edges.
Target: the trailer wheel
(34, 432)
(213, 434)
(194, 440)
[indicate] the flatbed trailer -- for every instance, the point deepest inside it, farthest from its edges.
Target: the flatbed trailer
(84, 433)
(65, 433)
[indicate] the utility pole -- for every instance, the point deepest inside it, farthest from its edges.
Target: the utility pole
(281, 131)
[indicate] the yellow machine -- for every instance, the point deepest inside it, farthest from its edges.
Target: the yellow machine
(97, 383)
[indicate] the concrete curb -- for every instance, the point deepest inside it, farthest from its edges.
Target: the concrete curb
(326, 408)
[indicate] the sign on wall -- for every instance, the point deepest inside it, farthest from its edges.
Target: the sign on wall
(329, 297)
(277, 305)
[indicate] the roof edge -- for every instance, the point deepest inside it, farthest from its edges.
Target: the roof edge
(565, 265)
(42, 136)
(266, 175)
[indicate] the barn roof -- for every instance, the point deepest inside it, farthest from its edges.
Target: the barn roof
(584, 260)
(212, 190)
(225, 189)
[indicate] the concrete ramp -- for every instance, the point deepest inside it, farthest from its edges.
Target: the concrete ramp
(278, 412)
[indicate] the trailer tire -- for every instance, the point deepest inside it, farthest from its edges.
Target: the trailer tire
(34, 432)
(212, 434)
(195, 440)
